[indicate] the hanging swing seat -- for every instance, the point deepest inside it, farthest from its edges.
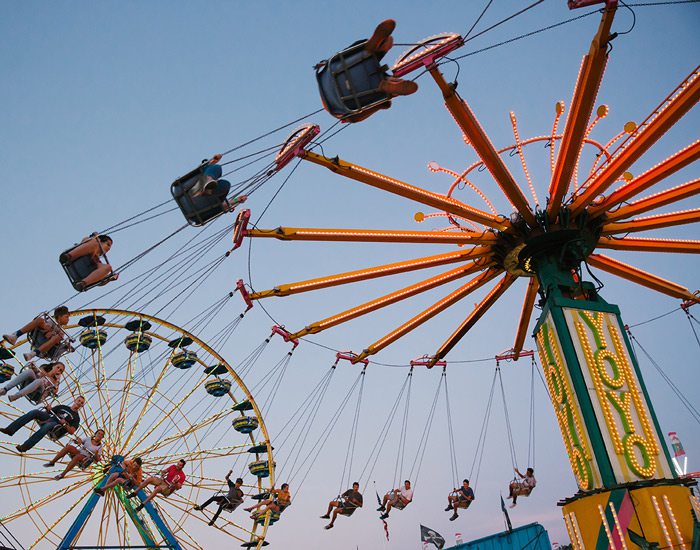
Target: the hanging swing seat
(201, 194)
(463, 503)
(521, 489)
(79, 268)
(38, 338)
(347, 510)
(7, 371)
(349, 82)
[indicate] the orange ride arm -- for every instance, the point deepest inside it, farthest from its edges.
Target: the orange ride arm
(373, 235)
(672, 164)
(589, 78)
(640, 277)
(380, 181)
(651, 245)
(469, 124)
(431, 312)
(392, 298)
(672, 111)
(525, 314)
(652, 222)
(474, 316)
(662, 198)
(373, 272)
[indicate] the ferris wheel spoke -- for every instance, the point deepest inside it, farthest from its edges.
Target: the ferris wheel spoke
(641, 277)
(374, 272)
(651, 245)
(179, 532)
(75, 383)
(658, 221)
(102, 389)
(658, 173)
(203, 454)
(147, 404)
(483, 306)
(318, 234)
(669, 112)
(576, 129)
(525, 314)
(165, 415)
(427, 314)
(34, 504)
(394, 297)
(185, 505)
(468, 123)
(50, 529)
(178, 436)
(392, 185)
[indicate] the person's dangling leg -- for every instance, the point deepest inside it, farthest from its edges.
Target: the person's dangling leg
(216, 514)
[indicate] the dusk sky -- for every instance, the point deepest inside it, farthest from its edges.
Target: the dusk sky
(105, 104)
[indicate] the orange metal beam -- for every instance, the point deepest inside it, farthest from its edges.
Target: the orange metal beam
(651, 245)
(373, 235)
(641, 277)
(640, 142)
(474, 317)
(392, 298)
(656, 200)
(373, 272)
(652, 222)
(469, 124)
(380, 181)
(672, 164)
(585, 93)
(431, 312)
(525, 314)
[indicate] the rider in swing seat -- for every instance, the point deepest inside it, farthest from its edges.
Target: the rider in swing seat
(37, 383)
(354, 85)
(129, 477)
(397, 498)
(88, 451)
(459, 498)
(281, 499)
(346, 505)
(45, 333)
(230, 501)
(522, 488)
(83, 264)
(171, 479)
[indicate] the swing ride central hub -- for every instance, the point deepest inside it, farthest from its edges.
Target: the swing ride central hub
(521, 252)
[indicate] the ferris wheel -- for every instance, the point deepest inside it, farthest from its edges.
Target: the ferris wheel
(160, 394)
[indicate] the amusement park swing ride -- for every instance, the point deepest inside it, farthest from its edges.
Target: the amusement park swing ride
(162, 383)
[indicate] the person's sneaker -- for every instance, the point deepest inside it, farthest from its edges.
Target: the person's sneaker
(3, 391)
(5, 431)
(381, 33)
(397, 86)
(211, 523)
(64, 258)
(21, 448)
(10, 338)
(14, 397)
(384, 516)
(198, 508)
(99, 491)
(49, 465)
(448, 509)
(138, 508)
(29, 355)
(329, 526)
(512, 505)
(454, 516)
(80, 286)
(131, 495)
(326, 516)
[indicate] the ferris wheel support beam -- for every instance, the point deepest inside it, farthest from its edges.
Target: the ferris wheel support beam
(397, 296)
(672, 164)
(372, 236)
(675, 194)
(585, 93)
(373, 272)
(525, 314)
(474, 316)
(392, 185)
(651, 245)
(653, 222)
(667, 114)
(429, 313)
(641, 277)
(478, 138)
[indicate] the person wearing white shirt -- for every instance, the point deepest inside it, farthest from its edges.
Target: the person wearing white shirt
(397, 498)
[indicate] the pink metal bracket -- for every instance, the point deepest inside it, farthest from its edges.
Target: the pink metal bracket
(295, 143)
(427, 52)
(350, 356)
(510, 355)
(286, 335)
(240, 228)
(240, 287)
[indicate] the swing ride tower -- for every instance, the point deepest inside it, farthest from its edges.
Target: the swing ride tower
(629, 493)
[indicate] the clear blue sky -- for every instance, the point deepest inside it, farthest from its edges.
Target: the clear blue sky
(104, 104)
